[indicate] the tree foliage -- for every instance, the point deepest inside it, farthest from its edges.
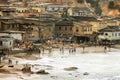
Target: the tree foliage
(94, 4)
(80, 1)
(98, 11)
(111, 5)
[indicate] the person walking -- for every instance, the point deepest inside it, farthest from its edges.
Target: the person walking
(43, 50)
(109, 46)
(83, 48)
(9, 61)
(39, 52)
(105, 49)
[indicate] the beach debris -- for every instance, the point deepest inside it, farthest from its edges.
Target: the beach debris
(42, 71)
(26, 69)
(11, 66)
(1, 66)
(54, 77)
(70, 73)
(4, 71)
(71, 68)
(85, 73)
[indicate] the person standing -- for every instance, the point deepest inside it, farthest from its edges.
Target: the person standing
(39, 52)
(105, 49)
(83, 48)
(62, 50)
(109, 46)
(43, 50)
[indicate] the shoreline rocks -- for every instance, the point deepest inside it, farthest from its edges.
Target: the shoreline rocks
(42, 71)
(71, 68)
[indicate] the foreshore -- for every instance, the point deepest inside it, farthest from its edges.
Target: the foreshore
(14, 69)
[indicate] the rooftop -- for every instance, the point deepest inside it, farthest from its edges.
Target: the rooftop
(64, 21)
(11, 31)
(82, 18)
(110, 29)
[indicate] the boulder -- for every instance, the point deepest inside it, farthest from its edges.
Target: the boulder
(71, 68)
(1, 66)
(4, 71)
(11, 66)
(42, 72)
(85, 73)
(26, 69)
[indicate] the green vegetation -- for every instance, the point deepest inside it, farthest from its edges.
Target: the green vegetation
(64, 14)
(112, 5)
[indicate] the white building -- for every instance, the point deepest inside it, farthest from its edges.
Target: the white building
(6, 41)
(110, 33)
(18, 35)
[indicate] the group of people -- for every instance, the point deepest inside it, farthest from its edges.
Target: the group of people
(72, 50)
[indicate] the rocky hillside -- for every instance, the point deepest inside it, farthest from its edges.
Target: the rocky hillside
(105, 7)
(113, 11)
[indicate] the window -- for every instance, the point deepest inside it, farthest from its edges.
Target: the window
(8, 26)
(70, 28)
(106, 34)
(59, 28)
(0, 43)
(119, 34)
(84, 28)
(77, 30)
(90, 29)
(65, 28)
(112, 34)
(115, 34)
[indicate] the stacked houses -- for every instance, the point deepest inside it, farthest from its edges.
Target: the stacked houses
(30, 19)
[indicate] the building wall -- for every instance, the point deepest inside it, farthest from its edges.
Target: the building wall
(105, 23)
(102, 24)
(112, 23)
(111, 35)
(94, 24)
(64, 31)
(80, 11)
(21, 9)
(78, 29)
(38, 9)
(8, 43)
